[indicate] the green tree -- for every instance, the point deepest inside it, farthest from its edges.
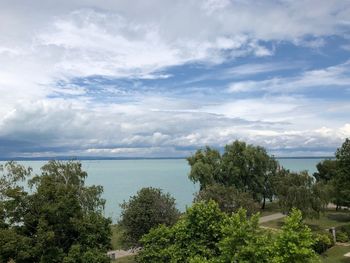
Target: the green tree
(336, 175)
(244, 241)
(248, 168)
(205, 167)
(228, 198)
(205, 234)
(326, 170)
(299, 190)
(149, 208)
(341, 182)
(57, 215)
(294, 243)
(197, 233)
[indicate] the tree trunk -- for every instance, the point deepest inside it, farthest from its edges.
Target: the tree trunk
(264, 202)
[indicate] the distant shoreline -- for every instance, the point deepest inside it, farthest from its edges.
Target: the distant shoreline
(94, 158)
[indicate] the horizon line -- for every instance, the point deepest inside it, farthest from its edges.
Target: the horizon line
(106, 158)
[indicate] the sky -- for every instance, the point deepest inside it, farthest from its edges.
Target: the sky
(162, 78)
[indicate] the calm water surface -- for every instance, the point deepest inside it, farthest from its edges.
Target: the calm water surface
(122, 178)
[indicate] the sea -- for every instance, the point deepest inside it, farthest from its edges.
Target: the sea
(123, 178)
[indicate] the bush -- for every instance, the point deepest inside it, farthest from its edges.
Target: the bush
(204, 234)
(345, 229)
(323, 242)
(149, 208)
(341, 236)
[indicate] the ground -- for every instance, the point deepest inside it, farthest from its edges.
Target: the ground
(336, 255)
(116, 237)
(129, 259)
(330, 218)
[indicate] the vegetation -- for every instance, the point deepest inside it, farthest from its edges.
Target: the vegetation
(205, 234)
(298, 190)
(328, 219)
(55, 217)
(127, 259)
(248, 168)
(336, 174)
(117, 237)
(149, 208)
(336, 255)
(58, 220)
(228, 198)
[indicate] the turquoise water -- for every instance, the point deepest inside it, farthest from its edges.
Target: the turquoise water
(122, 178)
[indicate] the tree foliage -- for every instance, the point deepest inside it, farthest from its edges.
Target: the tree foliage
(149, 208)
(294, 243)
(336, 175)
(299, 190)
(205, 234)
(58, 220)
(228, 198)
(326, 170)
(341, 182)
(246, 167)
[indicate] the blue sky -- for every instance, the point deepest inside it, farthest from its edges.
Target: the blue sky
(164, 78)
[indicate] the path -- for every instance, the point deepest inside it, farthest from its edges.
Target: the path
(272, 217)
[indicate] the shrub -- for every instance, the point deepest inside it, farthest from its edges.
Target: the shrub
(346, 230)
(323, 242)
(204, 234)
(341, 236)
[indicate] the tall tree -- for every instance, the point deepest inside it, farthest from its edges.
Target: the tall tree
(205, 167)
(59, 215)
(341, 181)
(326, 170)
(299, 190)
(246, 167)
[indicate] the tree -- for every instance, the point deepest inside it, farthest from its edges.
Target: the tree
(341, 182)
(197, 233)
(248, 168)
(149, 208)
(228, 198)
(336, 175)
(299, 190)
(326, 170)
(58, 215)
(205, 167)
(205, 234)
(244, 241)
(294, 243)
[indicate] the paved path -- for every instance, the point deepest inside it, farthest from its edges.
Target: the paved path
(272, 217)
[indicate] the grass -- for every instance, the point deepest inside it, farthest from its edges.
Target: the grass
(330, 218)
(128, 259)
(336, 255)
(117, 232)
(270, 208)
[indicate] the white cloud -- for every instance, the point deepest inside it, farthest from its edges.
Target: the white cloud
(334, 76)
(43, 42)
